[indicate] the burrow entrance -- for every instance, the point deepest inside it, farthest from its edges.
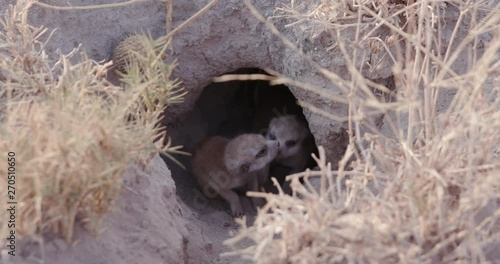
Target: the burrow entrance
(227, 109)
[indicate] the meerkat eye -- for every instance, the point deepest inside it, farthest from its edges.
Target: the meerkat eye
(261, 153)
(245, 167)
(272, 137)
(291, 143)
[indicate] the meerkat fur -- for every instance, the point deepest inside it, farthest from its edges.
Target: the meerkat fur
(221, 165)
(293, 137)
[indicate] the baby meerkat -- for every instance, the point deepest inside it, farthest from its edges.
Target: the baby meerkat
(221, 165)
(295, 147)
(294, 139)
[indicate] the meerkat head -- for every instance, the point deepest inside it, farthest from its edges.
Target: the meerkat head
(248, 153)
(290, 132)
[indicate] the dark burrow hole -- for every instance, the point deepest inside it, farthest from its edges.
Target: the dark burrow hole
(229, 109)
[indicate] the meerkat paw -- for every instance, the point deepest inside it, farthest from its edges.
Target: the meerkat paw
(237, 211)
(234, 202)
(258, 202)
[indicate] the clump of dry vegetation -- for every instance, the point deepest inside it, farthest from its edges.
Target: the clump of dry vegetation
(73, 132)
(427, 191)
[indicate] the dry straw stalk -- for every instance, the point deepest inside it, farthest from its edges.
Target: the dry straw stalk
(427, 191)
(73, 132)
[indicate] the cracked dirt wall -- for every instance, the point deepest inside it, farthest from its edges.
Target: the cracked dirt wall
(224, 39)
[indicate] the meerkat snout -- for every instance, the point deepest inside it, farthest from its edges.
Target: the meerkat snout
(290, 132)
(254, 152)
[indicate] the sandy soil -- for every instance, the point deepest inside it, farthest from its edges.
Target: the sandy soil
(150, 224)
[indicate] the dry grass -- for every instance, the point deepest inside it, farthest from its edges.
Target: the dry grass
(73, 132)
(427, 191)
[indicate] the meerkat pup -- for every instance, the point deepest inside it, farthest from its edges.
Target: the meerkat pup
(295, 146)
(221, 165)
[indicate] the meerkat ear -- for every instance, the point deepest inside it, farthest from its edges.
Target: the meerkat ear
(299, 120)
(245, 167)
(263, 132)
(231, 165)
(273, 120)
(304, 128)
